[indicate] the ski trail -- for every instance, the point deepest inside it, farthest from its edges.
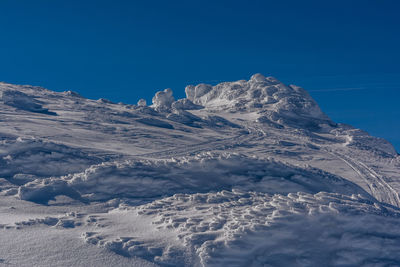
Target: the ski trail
(395, 194)
(379, 188)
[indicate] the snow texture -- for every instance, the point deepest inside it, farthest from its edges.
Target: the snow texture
(163, 100)
(245, 173)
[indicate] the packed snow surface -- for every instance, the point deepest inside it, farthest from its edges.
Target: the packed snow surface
(245, 173)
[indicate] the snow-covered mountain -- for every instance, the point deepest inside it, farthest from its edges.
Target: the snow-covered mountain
(245, 173)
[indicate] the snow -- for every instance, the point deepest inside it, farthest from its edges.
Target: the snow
(142, 102)
(23, 101)
(244, 173)
(163, 100)
(155, 178)
(290, 105)
(185, 104)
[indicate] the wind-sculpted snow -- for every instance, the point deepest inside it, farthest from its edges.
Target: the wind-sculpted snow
(203, 173)
(363, 141)
(185, 104)
(163, 100)
(273, 99)
(23, 101)
(22, 160)
(239, 228)
(245, 173)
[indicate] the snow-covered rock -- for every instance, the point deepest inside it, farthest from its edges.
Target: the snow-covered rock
(258, 93)
(290, 105)
(142, 102)
(163, 100)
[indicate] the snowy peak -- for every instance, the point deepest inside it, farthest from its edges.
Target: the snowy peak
(257, 94)
(239, 174)
(271, 101)
(274, 101)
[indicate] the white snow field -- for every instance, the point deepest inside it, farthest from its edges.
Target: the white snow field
(245, 173)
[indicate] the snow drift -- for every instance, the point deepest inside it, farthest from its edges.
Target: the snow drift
(149, 179)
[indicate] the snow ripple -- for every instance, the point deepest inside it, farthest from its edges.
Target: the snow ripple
(238, 228)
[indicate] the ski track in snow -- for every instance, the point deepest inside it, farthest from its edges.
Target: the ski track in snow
(245, 173)
(380, 189)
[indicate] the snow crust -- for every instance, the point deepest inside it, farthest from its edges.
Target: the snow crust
(245, 173)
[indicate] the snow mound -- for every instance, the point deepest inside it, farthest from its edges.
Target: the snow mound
(258, 93)
(201, 173)
(23, 101)
(23, 160)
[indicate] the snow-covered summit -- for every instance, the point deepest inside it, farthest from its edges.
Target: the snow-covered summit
(274, 102)
(258, 93)
(245, 173)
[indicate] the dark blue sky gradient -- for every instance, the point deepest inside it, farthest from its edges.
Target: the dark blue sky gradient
(346, 53)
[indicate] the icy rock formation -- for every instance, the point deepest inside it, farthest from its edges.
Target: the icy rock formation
(163, 100)
(265, 95)
(142, 102)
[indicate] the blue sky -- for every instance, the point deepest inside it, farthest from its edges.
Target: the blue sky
(346, 53)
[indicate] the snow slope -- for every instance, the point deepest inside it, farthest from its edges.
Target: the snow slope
(245, 173)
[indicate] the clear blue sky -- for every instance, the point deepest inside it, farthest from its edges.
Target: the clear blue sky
(346, 53)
